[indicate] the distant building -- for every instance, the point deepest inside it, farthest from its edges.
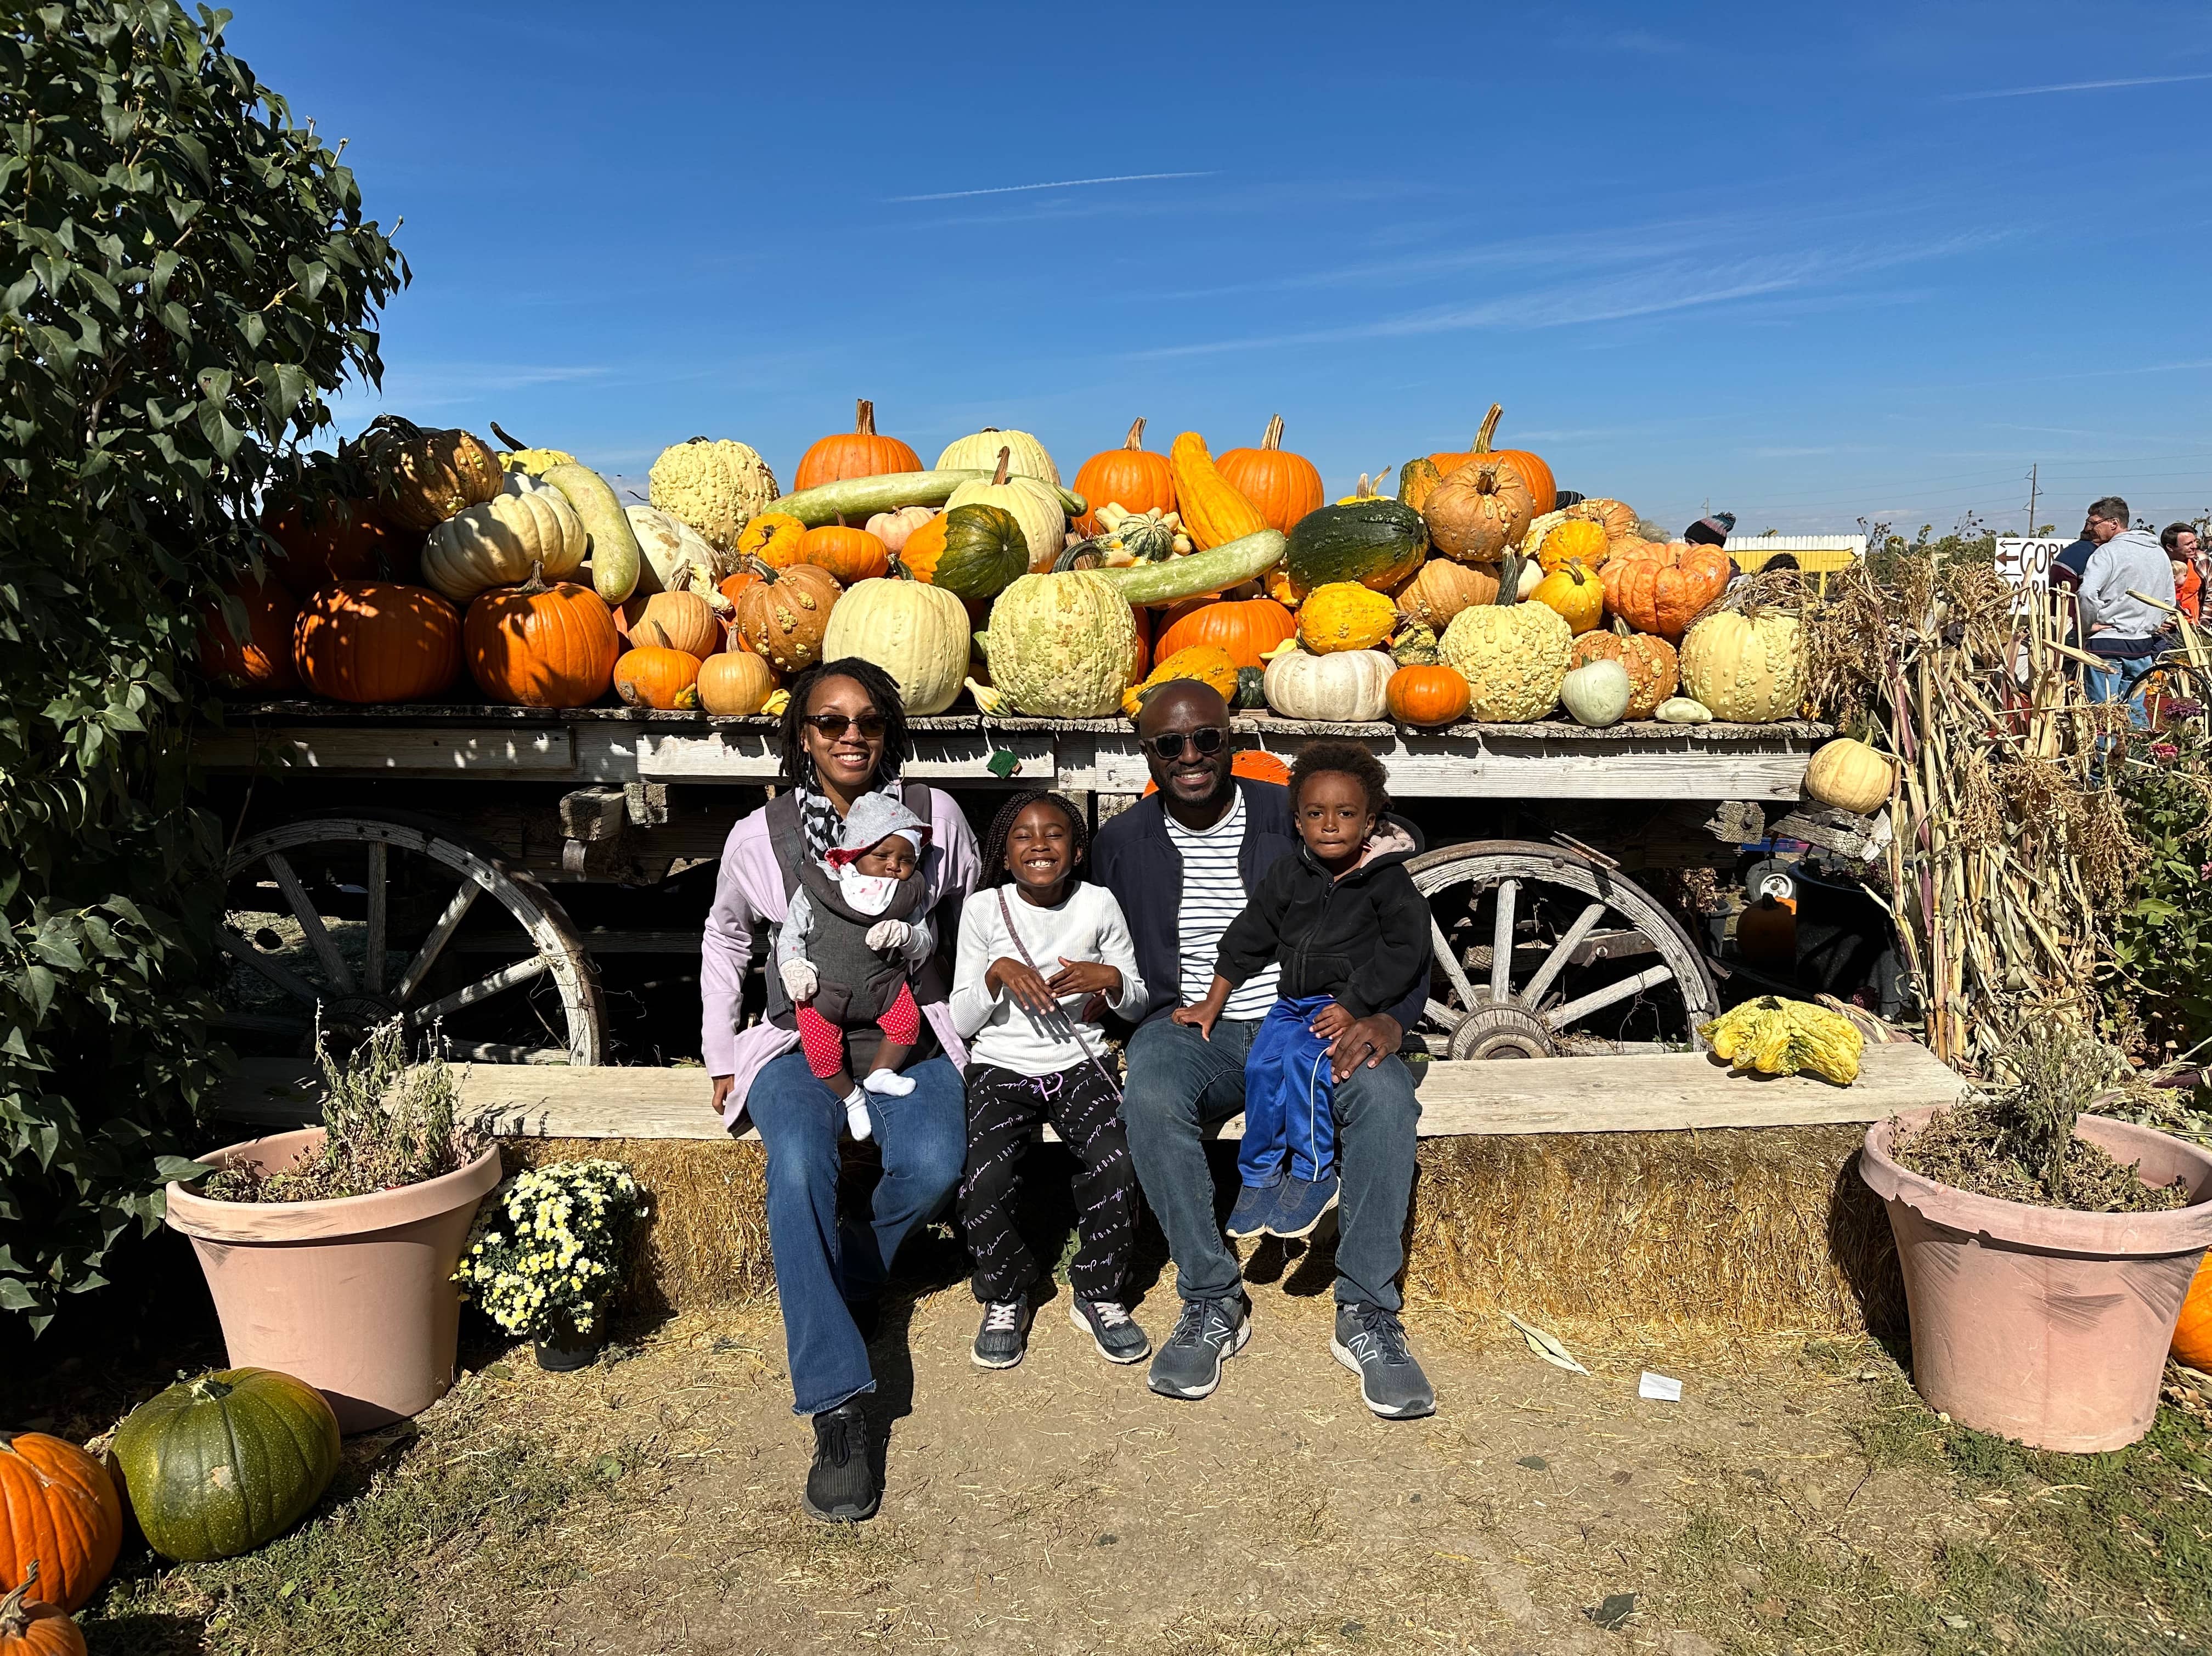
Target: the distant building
(1816, 554)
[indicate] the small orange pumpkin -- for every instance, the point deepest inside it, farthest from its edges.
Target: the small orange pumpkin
(1575, 540)
(58, 1508)
(734, 681)
(776, 539)
(1574, 593)
(918, 556)
(1283, 485)
(1246, 630)
(263, 662)
(860, 452)
(1131, 476)
(664, 679)
(850, 555)
(2192, 1335)
(1427, 695)
(32, 1628)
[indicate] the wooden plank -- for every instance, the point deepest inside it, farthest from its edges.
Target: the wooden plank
(392, 749)
(608, 753)
(1642, 1093)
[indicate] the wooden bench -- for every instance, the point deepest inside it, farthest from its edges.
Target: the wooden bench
(1643, 1092)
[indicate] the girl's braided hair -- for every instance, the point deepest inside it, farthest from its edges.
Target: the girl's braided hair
(1352, 759)
(995, 871)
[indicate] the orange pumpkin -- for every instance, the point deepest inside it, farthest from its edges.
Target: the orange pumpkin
(1574, 593)
(1283, 485)
(735, 583)
(664, 679)
(850, 555)
(1254, 764)
(783, 616)
(1767, 934)
(677, 621)
(543, 646)
(1247, 630)
(1654, 669)
(1576, 540)
(1427, 695)
(1143, 666)
(1441, 588)
(1533, 470)
(1131, 476)
(375, 641)
(263, 661)
(326, 540)
(1661, 589)
(1616, 518)
(860, 452)
(734, 681)
(2192, 1335)
(60, 1508)
(29, 1628)
(776, 539)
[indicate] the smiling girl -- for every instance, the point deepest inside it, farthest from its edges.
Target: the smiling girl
(1040, 956)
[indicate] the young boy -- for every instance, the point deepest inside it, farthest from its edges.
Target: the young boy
(851, 939)
(1351, 932)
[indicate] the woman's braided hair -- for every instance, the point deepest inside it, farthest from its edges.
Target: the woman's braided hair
(995, 871)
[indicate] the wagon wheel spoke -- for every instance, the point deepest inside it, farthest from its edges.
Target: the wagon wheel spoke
(1561, 1016)
(434, 945)
(379, 916)
(482, 989)
(282, 976)
(1501, 941)
(318, 934)
(1449, 961)
(1563, 951)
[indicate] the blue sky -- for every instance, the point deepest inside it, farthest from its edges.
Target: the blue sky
(1809, 264)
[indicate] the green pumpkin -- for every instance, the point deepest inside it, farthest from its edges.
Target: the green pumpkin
(219, 1466)
(1251, 688)
(1377, 542)
(985, 552)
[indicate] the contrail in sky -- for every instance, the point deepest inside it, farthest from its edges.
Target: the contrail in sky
(1057, 184)
(2075, 86)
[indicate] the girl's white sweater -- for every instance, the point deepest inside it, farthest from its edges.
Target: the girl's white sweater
(1087, 924)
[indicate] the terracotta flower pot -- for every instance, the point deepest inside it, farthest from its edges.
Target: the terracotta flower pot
(355, 1296)
(2042, 1324)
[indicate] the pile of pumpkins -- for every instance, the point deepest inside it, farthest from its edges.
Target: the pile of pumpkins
(1468, 593)
(210, 1468)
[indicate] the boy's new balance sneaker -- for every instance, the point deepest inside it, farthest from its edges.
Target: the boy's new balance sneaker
(1005, 1335)
(1111, 1328)
(1300, 1206)
(1255, 1207)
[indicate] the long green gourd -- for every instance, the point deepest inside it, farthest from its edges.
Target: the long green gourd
(1240, 560)
(861, 497)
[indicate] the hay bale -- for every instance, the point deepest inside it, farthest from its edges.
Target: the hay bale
(1737, 1232)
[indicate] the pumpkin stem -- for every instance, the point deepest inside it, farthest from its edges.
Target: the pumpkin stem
(1509, 579)
(898, 569)
(15, 1621)
(1135, 439)
(1489, 428)
(535, 583)
(1274, 441)
(864, 417)
(999, 477)
(765, 572)
(515, 444)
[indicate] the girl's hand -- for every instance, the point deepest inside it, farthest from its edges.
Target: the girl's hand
(1086, 978)
(1021, 983)
(1332, 1021)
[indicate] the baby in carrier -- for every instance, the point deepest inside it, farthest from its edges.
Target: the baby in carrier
(851, 938)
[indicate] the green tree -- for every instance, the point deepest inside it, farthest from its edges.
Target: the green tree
(185, 275)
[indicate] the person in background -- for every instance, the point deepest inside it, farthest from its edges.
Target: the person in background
(2073, 558)
(1711, 532)
(2182, 551)
(2119, 628)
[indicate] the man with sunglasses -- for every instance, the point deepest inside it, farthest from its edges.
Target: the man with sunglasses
(1181, 864)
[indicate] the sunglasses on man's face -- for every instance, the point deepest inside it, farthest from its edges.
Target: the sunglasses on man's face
(834, 726)
(1207, 739)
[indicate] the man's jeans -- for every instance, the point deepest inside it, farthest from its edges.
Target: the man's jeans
(1179, 1082)
(819, 1265)
(2110, 676)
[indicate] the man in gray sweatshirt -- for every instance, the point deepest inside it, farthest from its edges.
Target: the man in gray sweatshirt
(2119, 628)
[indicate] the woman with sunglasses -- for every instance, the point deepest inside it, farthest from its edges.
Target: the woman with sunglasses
(844, 736)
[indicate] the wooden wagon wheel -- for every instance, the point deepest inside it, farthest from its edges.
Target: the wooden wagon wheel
(345, 921)
(1534, 943)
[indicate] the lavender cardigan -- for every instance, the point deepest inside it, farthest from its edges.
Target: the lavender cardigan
(748, 894)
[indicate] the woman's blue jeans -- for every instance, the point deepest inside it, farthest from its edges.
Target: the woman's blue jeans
(820, 1264)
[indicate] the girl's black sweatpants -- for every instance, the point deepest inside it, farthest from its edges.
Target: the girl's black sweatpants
(1003, 1110)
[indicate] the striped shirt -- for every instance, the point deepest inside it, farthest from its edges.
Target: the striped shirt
(1213, 896)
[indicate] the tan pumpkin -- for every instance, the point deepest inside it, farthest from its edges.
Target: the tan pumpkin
(499, 541)
(1749, 669)
(734, 683)
(667, 680)
(1616, 518)
(1575, 593)
(1213, 511)
(785, 614)
(677, 621)
(421, 476)
(1345, 615)
(1573, 540)
(1533, 472)
(917, 633)
(850, 555)
(1033, 504)
(1478, 512)
(1441, 588)
(1850, 776)
(1654, 669)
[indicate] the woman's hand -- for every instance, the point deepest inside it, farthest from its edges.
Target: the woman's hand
(722, 1085)
(1021, 982)
(1332, 1021)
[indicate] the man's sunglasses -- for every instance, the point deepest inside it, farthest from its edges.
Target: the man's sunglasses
(1207, 739)
(834, 726)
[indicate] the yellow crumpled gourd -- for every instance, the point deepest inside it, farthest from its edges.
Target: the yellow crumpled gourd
(1775, 1037)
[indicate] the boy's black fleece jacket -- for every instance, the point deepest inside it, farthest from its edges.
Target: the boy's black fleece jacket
(1135, 860)
(1363, 940)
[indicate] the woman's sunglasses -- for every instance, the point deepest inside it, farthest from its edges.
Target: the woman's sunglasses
(834, 726)
(1207, 739)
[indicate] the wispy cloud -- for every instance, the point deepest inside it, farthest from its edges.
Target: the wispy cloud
(1641, 41)
(1056, 183)
(2075, 86)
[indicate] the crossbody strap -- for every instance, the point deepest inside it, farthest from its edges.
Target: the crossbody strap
(1006, 914)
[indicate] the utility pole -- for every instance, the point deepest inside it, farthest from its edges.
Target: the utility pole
(2032, 472)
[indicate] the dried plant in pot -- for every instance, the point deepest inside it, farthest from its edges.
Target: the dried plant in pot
(2046, 1250)
(329, 1252)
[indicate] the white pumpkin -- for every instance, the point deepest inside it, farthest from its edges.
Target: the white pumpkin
(1682, 710)
(980, 452)
(1596, 695)
(498, 543)
(892, 528)
(917, 633)
(668, 544)
(1036, 507)
(1347, 687)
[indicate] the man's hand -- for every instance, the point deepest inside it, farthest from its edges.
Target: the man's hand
(722, 1085)
(1365, 1043)
(1332, 1021)
(799, 981)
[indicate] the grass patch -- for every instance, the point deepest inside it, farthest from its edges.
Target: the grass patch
(448, 1549)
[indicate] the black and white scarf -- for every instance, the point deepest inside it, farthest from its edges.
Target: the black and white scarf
(818, 818)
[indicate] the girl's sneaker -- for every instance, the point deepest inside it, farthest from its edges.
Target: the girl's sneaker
(1005, 1335)
(1300, 1206)
(1254, 1209)
(1111, 1328)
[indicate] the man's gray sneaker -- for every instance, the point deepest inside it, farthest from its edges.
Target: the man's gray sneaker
(1005, 1335)
(1207, 1334)
(1111, 1328)
(1371, 1343)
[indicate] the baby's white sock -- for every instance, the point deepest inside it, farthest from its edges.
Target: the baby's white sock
(888, 1083)
(856, 1113)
